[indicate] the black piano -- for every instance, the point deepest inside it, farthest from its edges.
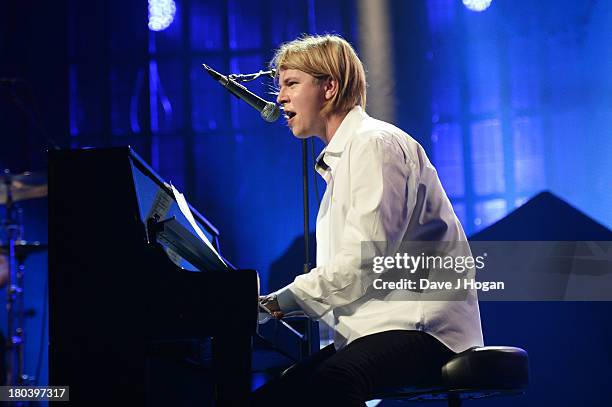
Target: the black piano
(136, 295)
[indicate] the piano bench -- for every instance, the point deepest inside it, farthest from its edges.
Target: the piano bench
(475, 373)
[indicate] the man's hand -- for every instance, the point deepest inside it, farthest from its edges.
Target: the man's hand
(271, 304)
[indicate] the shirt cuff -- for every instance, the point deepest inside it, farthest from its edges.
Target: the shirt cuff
(286, 300)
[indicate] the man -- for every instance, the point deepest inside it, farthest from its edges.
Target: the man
(381, 188)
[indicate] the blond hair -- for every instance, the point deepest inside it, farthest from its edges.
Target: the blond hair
(324, 56)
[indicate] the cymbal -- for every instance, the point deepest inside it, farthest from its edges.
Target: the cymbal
(23, 248)
(28, 185)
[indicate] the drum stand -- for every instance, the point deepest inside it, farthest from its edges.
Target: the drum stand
(14, 293)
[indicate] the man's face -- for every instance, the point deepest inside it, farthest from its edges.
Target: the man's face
(302, 98)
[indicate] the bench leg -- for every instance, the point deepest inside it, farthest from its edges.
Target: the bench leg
(454, 400)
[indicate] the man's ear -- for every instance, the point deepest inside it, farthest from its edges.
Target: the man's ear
(330, 88)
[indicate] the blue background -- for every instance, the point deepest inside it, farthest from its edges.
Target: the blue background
(507, 102)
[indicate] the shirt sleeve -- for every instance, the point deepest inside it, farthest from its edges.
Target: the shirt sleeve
(378, 215)
(286, 300)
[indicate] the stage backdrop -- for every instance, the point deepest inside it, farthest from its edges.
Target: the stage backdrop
(508, 102)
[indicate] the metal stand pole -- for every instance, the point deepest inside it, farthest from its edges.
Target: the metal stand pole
(306, 207)
(307, 346)
(14, 298)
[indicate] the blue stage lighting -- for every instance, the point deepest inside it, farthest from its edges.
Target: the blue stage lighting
(161, 14)
(477, 5)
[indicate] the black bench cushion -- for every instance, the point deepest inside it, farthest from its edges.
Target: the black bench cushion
(474, 373)
(488, 367)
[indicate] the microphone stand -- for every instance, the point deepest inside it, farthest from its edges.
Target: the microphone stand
(307, 345)
(306, 206)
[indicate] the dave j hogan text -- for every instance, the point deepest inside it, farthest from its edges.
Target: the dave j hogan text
(426, 284)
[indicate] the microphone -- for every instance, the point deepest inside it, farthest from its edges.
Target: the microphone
(269, 111)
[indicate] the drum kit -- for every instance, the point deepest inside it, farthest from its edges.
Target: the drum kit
(15, 188)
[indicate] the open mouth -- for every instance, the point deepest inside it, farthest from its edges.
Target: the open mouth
(289, 115)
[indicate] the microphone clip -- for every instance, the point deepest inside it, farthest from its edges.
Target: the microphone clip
(251, 76)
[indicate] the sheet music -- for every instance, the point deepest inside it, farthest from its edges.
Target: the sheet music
(161, 205)
(184, 207)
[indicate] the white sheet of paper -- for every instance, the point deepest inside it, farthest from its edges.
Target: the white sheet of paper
(184, 207)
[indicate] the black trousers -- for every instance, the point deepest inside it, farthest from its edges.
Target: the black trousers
(352, 375)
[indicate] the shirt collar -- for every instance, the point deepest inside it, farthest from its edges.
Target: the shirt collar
(344, 131)
(331, 153)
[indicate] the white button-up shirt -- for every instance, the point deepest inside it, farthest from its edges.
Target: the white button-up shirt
(381, 188)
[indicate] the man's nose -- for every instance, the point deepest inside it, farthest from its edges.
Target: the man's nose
(281, 99)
